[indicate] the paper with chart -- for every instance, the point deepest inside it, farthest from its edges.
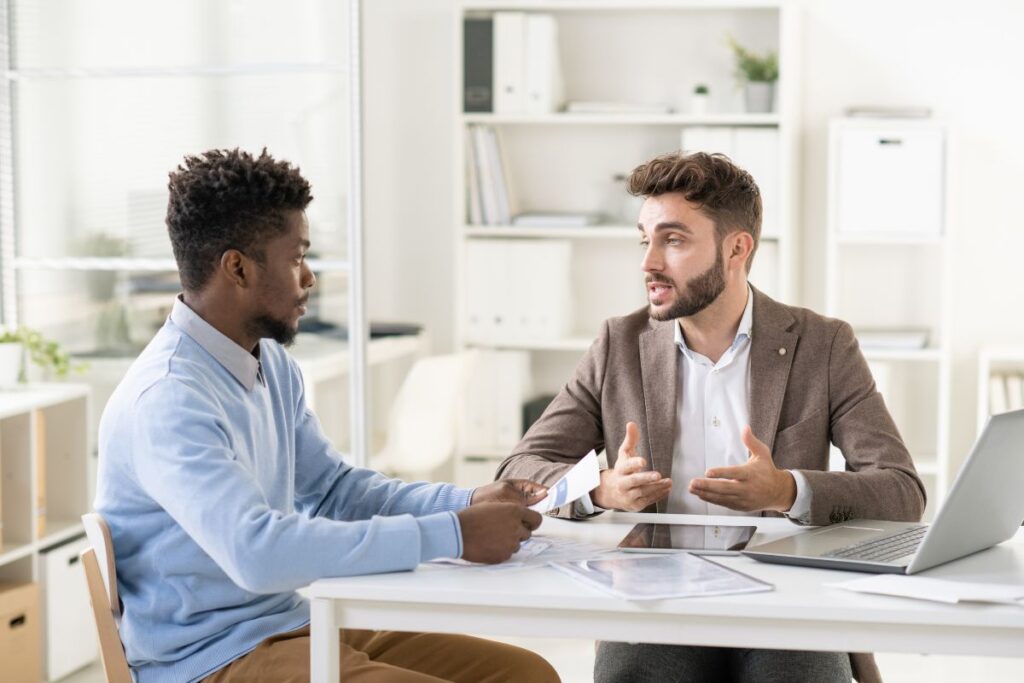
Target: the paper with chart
(661, 577)
(938, 590)
(583, 478)
(540, 551)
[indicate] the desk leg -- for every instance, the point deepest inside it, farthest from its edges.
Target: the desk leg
(323, 642)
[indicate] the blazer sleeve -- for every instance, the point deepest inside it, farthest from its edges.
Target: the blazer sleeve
(881, 481)
(569, 429)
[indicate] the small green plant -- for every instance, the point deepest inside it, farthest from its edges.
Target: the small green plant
(700, 89)
(45, 353)
(754, 68)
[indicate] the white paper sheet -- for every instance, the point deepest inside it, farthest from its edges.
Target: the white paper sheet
(584, 477)
(539, 551)
(657, 577)
(938, 590)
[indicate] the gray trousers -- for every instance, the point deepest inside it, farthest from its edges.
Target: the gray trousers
(649, 663)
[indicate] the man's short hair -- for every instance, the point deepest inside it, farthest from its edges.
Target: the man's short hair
(725, 192)
(228, 199)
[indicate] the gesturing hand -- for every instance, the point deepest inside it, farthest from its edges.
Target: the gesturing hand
(629, 485)
(521, 491)
(753, 486)
(491, 532)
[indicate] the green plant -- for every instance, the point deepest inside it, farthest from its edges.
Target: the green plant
(700, 89)
(45, 353)
(754, 68)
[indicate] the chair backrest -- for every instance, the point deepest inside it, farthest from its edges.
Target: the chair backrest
(423, 420)
(101, 577)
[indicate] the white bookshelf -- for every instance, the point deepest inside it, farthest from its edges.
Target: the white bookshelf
(44, 465)
(566, 161)
(897, 282)
(998, 364)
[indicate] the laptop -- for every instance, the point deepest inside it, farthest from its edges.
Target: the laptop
(984, 507)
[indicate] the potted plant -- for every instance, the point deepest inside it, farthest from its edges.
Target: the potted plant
(47, 354)
(757, 73)
(699, 99)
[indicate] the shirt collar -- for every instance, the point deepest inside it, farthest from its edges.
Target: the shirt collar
(244, 366)
(742, 332)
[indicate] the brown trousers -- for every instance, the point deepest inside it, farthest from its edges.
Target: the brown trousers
(390, 657)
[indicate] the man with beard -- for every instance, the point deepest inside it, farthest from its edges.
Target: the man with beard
(221, 492)
(724, 402)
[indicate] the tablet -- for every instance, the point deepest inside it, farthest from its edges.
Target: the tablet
(703, 539)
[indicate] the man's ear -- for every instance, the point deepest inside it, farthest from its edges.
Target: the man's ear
(236, 266)
(741, 245)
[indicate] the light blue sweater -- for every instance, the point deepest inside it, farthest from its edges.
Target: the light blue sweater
(223, 496)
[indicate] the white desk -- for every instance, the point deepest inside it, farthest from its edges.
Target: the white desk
(800, 613)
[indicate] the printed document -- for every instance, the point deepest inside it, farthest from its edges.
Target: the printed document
(658, 577)
(938, 590)
(584, 477)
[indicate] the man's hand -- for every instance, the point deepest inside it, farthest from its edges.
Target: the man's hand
(491, 532)
(629, 486)
(754, 486)
(520, 491)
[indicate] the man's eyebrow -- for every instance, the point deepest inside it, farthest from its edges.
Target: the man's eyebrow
(672, 225)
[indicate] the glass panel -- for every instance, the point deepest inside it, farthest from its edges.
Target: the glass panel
(95, 182)
(91, 34)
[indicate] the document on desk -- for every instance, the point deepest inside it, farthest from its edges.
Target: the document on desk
(937, 590)
(661, 577)
(539, 551)
(584, 477)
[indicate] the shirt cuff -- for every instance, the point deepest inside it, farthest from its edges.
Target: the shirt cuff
(801, 509)
(452, 498)
(440, 536)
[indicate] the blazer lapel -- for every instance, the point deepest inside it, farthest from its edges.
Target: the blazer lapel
(658, 357)
(771, 356)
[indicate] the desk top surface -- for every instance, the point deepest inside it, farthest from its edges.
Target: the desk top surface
(800, 592)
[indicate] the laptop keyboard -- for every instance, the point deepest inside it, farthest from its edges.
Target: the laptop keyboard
(885, 549)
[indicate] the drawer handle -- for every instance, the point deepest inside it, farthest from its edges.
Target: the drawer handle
(890, 141)
(18, 621)
(73, 560)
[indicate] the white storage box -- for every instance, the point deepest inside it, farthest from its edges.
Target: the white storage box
(70, 638)
(889, 178)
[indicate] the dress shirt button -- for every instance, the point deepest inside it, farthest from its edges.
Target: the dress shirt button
(715, 422)
(782, 352)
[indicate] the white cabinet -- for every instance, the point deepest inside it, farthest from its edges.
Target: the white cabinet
(70, 632)
(888, 274)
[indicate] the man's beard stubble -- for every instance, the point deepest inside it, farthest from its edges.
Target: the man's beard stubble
(699, 293)
(265, 327)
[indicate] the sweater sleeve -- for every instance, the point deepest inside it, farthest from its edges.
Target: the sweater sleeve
(183, 458)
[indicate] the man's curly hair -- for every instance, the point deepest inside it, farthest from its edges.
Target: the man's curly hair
(725, 192)
(228, 199)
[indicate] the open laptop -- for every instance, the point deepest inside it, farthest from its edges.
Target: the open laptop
(984, 507)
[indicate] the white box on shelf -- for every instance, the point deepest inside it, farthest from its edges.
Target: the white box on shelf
(70, 633)
(517, 291)
(544, 86)
(889, 178)
(492, 412)
(509, 62)
(756, 150)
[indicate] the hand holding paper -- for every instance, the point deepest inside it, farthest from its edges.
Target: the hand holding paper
(577, 482)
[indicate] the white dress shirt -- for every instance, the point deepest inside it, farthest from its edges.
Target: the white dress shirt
(713, 407)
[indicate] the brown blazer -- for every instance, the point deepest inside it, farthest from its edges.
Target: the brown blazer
(810, 386)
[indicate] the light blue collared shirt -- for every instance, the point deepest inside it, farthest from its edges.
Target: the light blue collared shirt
(223, 497)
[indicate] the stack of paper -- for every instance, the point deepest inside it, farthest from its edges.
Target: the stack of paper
(937, 590)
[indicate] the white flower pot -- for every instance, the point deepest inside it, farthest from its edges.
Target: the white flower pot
(698, 104)
(759, 97)
(11, 354)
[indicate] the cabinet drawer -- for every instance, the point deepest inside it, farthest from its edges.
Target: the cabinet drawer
(70, 632)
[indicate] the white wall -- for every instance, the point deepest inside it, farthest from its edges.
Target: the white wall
(961, 59)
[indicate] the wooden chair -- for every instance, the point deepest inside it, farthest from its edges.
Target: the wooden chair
(101, 576)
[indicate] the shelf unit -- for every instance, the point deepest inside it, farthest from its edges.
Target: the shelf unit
(567, 162)
(1000, 364)
(897, 282)
(43, 494)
